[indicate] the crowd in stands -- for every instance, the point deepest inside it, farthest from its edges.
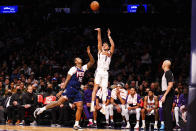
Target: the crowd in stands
(36, 55)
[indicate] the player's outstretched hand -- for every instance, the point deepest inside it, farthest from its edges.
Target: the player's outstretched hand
(109, 32)
(88, 50)
(98, 29)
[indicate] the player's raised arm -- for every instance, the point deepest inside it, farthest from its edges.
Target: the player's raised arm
(64, 85)
(99, 39)
(111, 42)
(92, 61)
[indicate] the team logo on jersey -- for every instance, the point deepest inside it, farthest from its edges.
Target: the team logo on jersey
(80, 75)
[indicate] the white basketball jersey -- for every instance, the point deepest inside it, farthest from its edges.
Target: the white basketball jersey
(103, 62)
(150, 103)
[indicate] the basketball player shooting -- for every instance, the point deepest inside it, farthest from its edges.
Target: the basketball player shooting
(71, 88)
(101, 74)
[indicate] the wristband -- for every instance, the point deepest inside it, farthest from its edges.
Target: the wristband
(109, 37)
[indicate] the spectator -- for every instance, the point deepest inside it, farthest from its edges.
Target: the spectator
(29, 102)
(16, 106)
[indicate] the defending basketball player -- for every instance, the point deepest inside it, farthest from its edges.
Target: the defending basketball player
(72, 88)
(101, 75)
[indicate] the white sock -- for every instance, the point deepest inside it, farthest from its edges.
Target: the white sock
(92, 102)
(76, 123)
(156, 122)
(143, 122)
(137, 123)
(162, 122)
(90, 120)
(95, 121)
(112, 120)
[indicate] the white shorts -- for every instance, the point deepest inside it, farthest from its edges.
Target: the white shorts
(101, 78)
(150, 113)
(134, 111)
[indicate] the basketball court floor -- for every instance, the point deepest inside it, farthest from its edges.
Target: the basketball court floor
(38, 128)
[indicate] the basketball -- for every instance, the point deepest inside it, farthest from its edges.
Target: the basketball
(94, 5)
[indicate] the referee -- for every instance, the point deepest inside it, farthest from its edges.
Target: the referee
(168, 94)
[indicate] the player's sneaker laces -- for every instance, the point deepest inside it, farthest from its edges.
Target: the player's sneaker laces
(155, 127)
(77, 127)
(143, 126)
(137, 126)
(128, 126)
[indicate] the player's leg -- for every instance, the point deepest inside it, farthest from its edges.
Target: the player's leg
(51, 105)
(137, 111)
(77, 99)
(111, 113)
(156, 113)
(107, 116)
(95, 118)
(96, 86)
(143, 114)
(104, 86)
(125, 115)
(79, 106)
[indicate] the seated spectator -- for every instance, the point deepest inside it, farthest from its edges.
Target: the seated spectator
(132, 106)
(29, 103)
(7, 106)
(118, 100)
(16, 106)
(141, 91)
(180, 106)
(150, 108)
(2, 110)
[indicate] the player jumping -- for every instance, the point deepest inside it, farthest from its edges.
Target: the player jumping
(72, 88)
(101, 74)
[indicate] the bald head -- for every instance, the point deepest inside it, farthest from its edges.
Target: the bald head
(166, 65)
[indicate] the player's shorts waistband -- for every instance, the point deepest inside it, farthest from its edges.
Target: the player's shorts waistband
(105, 70)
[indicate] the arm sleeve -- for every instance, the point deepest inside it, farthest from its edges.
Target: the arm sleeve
(169, 76)
(84, 67)
(72, 71)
